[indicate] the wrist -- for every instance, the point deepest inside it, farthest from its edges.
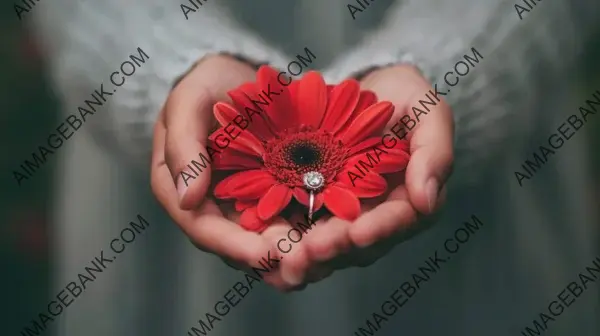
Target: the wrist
(360, 75)
(396, 67)
(253, 64)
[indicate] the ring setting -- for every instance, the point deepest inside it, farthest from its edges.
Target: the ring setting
(313, 181)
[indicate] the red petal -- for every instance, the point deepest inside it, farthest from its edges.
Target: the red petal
(342, 101)
(246, 185)
(369, 185)
(243, 205)
(391, 163)
(311, 101)
(394, 160)
(253, 190)
(371, 121)
(221, 190)
(341, 202)
(240, 140)
(258, 125)
(398, 146)
(250, 221)
(293, 90)
(389, 160)
(274, 201)
(248, 141)
(232, 160)
(278, 108)
(365, 145)
(366, 99)
(224, 113)
(302, 197)
(239, 95)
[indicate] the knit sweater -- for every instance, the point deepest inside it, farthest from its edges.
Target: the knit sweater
(87, 41)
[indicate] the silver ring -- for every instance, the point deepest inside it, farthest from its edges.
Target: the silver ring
(311, 202)
(313, 181)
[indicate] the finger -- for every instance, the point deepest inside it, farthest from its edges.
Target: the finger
(289, 242)
(430, 164)
(205, 226)
(388, 218)
(431, 150)
(158, 143)
(431, 133)
(188, 123)
(388, 228)
(271, 258)
(327, 239)
(324, 240)
(414, 87)
(189, 120)
(274, 255)
(229, 262)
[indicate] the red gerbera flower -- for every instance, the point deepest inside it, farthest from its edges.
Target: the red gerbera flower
(307, 127)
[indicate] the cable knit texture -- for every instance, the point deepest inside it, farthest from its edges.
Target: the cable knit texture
(88, 41)
(519, 58)
(91, 39)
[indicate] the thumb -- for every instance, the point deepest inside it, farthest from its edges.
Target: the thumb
(189, 120)
(188, 123)
(426, 174)
(431, 137)
(431, 159)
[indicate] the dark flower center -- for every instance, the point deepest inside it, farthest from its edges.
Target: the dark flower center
(294, 152)
(304, 154)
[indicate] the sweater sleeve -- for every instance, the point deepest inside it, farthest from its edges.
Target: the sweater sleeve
(87, 41)
(524, 50)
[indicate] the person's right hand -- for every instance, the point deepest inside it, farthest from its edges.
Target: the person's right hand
(180, 134)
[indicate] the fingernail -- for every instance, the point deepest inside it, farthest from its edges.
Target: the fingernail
(431, 188)
(290, 278)
(181, 188)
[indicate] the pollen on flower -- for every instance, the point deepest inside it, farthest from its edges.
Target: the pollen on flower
(294, 152)
(304, 153)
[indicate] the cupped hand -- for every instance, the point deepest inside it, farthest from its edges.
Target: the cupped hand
(415, 195)
(180, 136)
(410, 206)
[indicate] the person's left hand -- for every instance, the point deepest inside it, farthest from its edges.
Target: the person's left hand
(419, 191)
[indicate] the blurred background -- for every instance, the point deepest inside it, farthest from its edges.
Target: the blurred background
(30, 109)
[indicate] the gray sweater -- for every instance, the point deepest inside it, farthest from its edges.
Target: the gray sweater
(538, 236)
(88, 41)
